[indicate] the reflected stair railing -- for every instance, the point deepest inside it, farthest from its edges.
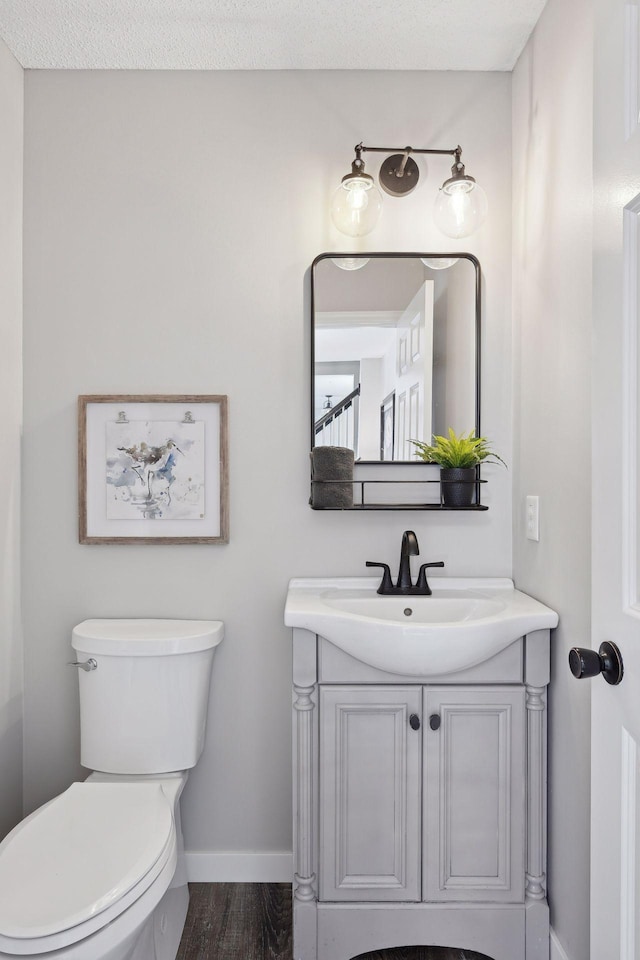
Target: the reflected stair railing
(338, 426)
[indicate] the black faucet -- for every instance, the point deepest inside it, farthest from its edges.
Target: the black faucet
(404, 586)
(408, 549)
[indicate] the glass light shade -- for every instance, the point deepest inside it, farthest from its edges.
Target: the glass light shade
(460, 208)
(356, 206)
(439, 263)
(350, 263)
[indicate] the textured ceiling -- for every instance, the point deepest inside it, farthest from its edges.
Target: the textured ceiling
(268, 35)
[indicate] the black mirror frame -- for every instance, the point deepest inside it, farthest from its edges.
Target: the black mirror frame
(478, 332)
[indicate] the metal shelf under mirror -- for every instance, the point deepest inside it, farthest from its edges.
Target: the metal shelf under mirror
(376, 494)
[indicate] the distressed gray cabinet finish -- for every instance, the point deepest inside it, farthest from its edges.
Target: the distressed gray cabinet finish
(411, 816)
(370, 817)
(473, 788)
(408, 836)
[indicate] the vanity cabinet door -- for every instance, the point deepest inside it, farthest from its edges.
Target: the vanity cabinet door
(370, 793)
(474, 790)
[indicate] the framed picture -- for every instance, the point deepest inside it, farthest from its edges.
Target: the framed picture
(153, 469)
(387, 426)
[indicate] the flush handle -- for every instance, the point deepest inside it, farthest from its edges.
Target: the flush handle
(414, 721)
(587, 663)
(86, 665)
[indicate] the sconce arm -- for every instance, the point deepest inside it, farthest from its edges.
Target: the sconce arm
(360, 148)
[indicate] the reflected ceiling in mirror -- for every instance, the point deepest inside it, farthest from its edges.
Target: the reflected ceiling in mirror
(395, 351)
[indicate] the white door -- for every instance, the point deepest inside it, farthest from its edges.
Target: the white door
(414, 372)
(615, 818)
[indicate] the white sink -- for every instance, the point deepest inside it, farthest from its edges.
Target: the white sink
(464, 621)
(455, 607)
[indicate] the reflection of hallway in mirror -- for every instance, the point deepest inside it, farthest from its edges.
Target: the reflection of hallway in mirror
(338, 425)
(413, 373)
(397, 327)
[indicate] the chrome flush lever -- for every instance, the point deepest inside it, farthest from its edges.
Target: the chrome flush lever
(86, 665)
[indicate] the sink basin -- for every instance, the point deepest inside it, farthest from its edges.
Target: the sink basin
(463, 623)
(453, 607)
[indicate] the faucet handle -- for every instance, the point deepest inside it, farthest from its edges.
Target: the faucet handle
(421, 583)
(386, 585)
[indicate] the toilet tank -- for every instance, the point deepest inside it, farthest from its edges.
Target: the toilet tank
(143, 708)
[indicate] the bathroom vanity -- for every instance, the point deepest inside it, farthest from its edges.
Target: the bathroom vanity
(419, 754)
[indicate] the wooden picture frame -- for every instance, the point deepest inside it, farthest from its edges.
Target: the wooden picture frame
(153, 469)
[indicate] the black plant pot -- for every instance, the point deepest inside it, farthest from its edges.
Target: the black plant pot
(458, 486)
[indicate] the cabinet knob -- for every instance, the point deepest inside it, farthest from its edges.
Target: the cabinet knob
(434, 721)
(414, 721)
(587, 663)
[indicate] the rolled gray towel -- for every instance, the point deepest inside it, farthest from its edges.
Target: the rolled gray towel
(331, 463)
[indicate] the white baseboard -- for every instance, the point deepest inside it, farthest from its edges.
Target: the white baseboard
(556, 951)
(239, 867)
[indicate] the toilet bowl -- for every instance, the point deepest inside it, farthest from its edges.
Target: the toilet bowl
(99, 851)
(98, 872)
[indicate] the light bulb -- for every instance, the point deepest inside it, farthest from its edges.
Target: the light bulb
(350, 263)
(356, 206)
(460, 208)
(439, 263)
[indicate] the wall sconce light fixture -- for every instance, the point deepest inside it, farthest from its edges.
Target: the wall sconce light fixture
(460, 207)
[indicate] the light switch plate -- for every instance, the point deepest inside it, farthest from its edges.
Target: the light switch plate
(532, 518)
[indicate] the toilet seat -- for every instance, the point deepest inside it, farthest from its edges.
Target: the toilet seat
(81, 860)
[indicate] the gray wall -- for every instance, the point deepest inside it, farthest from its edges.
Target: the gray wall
(552, 225)
(170, 220)
(11, 111)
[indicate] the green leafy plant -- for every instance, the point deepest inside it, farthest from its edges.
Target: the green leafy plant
(457, 450)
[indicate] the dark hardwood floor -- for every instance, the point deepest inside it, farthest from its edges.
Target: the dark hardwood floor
(237, 921)
(252, 921)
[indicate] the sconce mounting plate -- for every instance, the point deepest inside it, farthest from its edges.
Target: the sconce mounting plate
(394, 180)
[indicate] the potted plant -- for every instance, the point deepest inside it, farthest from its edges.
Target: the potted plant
(457, 455)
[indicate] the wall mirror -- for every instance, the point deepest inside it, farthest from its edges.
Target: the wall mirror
(395, 351)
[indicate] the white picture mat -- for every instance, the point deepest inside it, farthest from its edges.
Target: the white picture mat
(97, 416)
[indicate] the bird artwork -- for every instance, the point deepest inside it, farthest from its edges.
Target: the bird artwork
(155, 470)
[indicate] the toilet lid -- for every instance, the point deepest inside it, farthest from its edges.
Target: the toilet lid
(78, 855)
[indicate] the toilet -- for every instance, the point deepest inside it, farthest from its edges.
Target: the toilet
(98, 873)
